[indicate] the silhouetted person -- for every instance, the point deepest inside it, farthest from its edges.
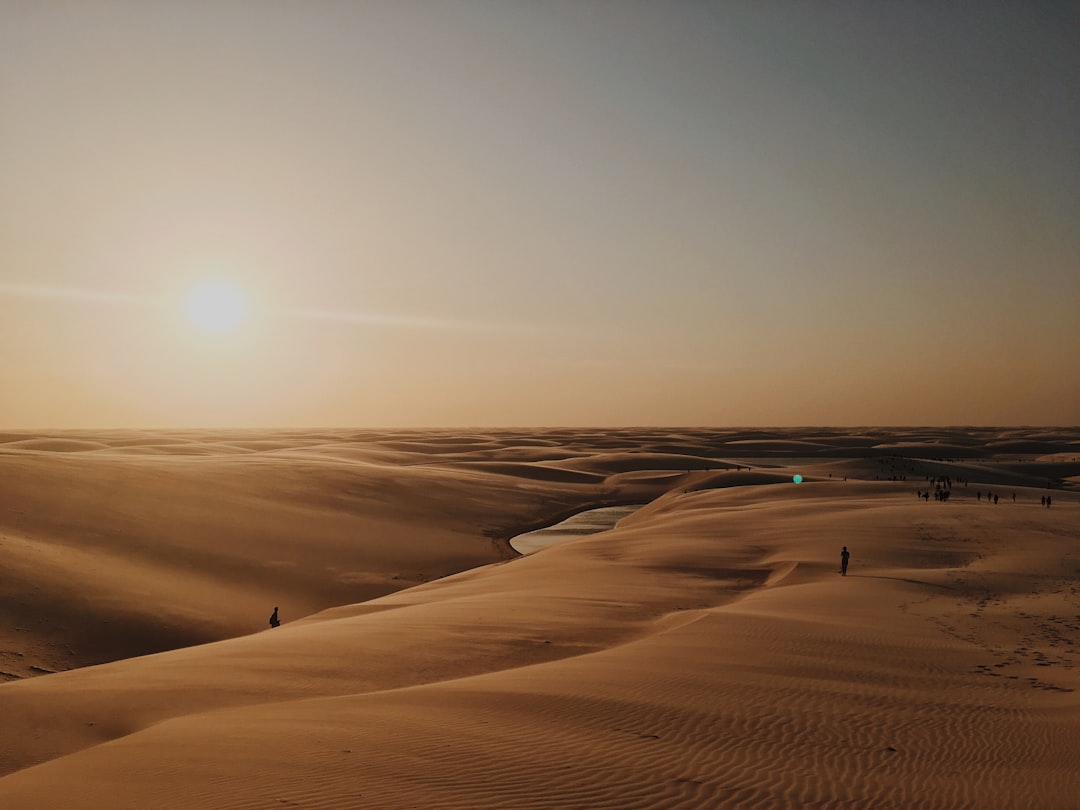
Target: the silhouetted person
(274, 620)
(844, 555)
(1014, 497)
(1047, 501)
(995, 500)
(1042, 501)
(978, 495)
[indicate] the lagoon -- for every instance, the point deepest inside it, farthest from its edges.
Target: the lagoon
(592, 521)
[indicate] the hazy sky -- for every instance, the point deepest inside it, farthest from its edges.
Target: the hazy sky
(540, 213)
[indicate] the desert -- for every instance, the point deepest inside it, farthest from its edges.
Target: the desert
(483, 405)
(705, 652)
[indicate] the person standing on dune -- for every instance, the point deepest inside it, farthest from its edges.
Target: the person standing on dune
(844, 555)
(274, 620)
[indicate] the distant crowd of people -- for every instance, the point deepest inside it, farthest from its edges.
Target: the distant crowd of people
(943, 489)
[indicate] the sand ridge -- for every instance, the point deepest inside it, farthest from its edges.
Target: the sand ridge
(703, 654)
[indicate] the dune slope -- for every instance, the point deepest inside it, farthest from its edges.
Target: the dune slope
(705, 653)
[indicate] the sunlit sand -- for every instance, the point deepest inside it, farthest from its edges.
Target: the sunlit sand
(703, 653)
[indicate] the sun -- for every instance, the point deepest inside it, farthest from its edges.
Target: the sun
(217, 307)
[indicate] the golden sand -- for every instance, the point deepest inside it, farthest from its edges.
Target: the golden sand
(705, 653)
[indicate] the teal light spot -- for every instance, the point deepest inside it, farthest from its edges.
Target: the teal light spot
(797, 478)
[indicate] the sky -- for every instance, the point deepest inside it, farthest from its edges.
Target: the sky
(462, 213)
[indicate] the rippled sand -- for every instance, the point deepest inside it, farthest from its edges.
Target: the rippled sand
(705, 653)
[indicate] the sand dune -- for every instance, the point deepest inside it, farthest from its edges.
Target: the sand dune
(703, 654)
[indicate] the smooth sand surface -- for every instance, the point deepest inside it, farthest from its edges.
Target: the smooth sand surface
(705, 653)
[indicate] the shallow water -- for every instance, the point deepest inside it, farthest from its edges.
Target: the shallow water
(592, 521)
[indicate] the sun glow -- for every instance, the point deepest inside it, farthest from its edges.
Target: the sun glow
(216, 307)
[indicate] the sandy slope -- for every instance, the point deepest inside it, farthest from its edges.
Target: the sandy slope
(179, 540)
(704, 654)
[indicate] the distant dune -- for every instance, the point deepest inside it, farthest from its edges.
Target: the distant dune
(705, 653)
